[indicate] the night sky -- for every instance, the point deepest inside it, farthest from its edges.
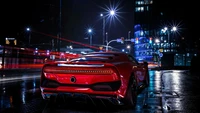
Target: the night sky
(79, 15)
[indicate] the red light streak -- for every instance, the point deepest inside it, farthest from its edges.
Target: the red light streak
(86, 45)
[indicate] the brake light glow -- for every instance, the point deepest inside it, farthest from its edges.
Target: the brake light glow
(50, 76)
(76, 70)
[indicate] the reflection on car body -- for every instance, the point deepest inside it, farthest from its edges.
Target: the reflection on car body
(111, 75)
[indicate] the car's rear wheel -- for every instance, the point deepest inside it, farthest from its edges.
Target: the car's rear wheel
(131, 94)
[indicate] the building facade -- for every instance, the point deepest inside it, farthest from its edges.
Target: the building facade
(156, 41)
(143, 30)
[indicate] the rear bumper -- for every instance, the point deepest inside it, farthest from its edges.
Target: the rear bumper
(114, 98)
(47, 94)
(98, 90)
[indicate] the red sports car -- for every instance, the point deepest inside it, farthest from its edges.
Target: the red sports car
(111, 75)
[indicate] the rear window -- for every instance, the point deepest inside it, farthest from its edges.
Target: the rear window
(108, 57)
(91, 59)
(101, 55)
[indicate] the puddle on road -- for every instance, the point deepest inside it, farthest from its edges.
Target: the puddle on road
(156, 94)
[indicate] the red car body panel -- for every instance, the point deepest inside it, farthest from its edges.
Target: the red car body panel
(109, 78)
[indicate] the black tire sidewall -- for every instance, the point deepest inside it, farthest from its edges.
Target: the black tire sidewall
(131, 97)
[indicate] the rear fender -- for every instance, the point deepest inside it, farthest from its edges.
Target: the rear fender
(125, 83)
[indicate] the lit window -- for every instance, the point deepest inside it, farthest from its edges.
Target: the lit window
(139, 2)
(141, 33)
(142, 9)
(139, 9)
(161, 44)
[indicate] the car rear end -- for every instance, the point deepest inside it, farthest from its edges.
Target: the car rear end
(101, 80)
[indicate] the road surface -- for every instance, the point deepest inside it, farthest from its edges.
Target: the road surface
(170, 91)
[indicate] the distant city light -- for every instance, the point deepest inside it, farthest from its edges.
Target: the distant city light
(174, 29)
(150, 40)
(136, 40)
(89, 30)
(157, 40)
(28, 29)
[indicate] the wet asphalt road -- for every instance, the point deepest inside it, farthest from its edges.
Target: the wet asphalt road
(170, 91)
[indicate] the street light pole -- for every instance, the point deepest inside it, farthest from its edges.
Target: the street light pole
(29, 35)
(104, 25)
(90, 39)
(129, 34)
(106, 37)
(107, 43)
(169, 40)
(111, 13)
(59, 35)
(90, 33)
(29, 38)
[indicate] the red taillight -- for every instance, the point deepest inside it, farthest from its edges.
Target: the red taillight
(79, 70)
(50, 76)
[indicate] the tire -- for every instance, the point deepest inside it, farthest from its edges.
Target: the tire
(130, 99)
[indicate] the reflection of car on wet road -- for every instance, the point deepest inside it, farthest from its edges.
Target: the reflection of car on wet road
(111, 75)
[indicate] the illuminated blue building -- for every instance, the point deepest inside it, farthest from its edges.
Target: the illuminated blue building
(143, 30)
(143, 45)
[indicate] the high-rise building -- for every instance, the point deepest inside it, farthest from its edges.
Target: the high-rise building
(143, 29)
(155, 41)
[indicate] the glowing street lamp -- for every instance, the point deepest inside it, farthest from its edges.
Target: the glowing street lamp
(129, 48)
(111, 13)
(27, 29)
(157, 40)
(29, 35)
(174, 28)
(89, 30)
(90, 33)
